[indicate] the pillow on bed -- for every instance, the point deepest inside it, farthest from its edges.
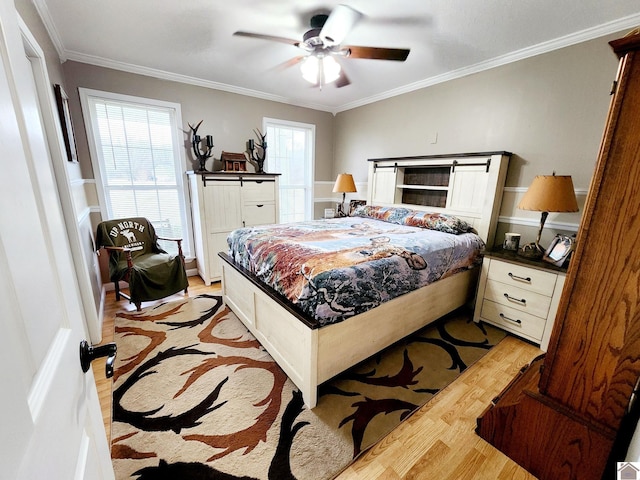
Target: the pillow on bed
(414, 218)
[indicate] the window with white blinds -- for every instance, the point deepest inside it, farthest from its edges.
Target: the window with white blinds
(139, 164)
(290, 152)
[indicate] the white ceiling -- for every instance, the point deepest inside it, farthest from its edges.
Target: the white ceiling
(193, 41)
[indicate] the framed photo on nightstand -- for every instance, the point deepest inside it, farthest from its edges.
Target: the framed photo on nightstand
(353, 204)
(559, 250)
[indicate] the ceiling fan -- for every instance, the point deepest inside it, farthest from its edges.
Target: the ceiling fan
(323, 44)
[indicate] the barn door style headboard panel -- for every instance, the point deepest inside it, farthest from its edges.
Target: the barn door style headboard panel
(467, 185)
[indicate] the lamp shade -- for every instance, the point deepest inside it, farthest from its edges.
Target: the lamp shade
(344, 184)
(550, 193)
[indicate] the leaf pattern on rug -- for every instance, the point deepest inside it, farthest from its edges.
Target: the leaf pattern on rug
(367, 410)
(183, 470)
(404, 378)
(146, 420)
(155, 339)
(251, 436)
(280, 466)
(197, 396)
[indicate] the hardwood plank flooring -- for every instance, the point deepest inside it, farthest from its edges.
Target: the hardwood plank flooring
(436, 442)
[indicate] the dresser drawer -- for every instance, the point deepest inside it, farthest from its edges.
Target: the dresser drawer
(520, 323)
(518, 298)
(258, 192)
(520, 276)
(259, 214)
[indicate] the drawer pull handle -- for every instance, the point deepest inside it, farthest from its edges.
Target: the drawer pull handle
(521, 301)
(260, 205)
(520, 279)
(516, 320)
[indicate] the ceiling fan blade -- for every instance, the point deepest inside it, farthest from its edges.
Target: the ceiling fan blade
(375, 53)
(268, 37)
(289, 63)
(339, 24)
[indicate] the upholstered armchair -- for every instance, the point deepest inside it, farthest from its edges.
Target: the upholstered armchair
(136, 258)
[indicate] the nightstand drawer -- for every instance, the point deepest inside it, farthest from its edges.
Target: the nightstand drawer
(520, 323)
(518, 298)
(520, 276)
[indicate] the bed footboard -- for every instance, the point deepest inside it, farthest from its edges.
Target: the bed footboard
(291, 343)
(310, 356)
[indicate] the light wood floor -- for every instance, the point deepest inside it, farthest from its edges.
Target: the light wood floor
(436, 442)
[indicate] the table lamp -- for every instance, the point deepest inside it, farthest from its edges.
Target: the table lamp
(344, 184)
(547, 193)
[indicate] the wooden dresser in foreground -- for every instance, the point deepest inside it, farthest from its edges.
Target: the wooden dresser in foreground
(559, 418)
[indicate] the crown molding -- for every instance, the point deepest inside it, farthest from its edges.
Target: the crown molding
(631, 21)
(584, 35)
(50, 27)
(176, 77)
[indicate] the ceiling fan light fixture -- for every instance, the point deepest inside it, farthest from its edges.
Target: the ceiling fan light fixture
(320, 70)
(331, 69)
(310, 68)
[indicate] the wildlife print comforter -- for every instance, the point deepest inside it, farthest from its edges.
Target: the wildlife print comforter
(335, 269)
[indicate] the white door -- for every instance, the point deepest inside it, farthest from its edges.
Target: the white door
(51, 424)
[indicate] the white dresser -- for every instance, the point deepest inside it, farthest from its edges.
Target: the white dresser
(519, 295)
(222, 202)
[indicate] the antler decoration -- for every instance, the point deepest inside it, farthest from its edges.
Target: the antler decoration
(195, 143)
(258, 152)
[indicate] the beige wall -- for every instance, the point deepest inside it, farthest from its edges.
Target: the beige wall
(548, 110)
(229, 117)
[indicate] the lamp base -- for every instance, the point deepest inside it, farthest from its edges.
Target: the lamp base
(340, 210)
(531, 250)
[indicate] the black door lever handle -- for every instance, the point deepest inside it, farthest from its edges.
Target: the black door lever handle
(88, 353)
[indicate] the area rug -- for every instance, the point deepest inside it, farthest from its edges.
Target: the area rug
(197, 397)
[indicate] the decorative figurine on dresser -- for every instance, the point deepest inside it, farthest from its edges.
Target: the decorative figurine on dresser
(559, 418)
(197, 151)
(258, 151)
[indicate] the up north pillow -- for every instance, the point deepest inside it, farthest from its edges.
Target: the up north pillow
(414, 218)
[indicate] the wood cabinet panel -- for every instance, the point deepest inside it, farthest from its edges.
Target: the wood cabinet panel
(222, 202)
(600, 362)
(564, 425)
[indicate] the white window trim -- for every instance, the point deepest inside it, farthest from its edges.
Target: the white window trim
(85, 93)
(309, 204)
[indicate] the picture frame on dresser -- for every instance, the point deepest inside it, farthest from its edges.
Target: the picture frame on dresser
(559, 250)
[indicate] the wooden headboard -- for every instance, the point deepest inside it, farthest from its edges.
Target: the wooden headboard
(467, 185)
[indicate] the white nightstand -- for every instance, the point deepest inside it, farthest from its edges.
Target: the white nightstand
(519, 295)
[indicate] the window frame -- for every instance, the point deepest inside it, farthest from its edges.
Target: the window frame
(90, 123)
(311, 133)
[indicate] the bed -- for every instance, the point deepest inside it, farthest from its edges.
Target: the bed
(308, 318)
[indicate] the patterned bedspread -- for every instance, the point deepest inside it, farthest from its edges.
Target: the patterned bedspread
(334, 269)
